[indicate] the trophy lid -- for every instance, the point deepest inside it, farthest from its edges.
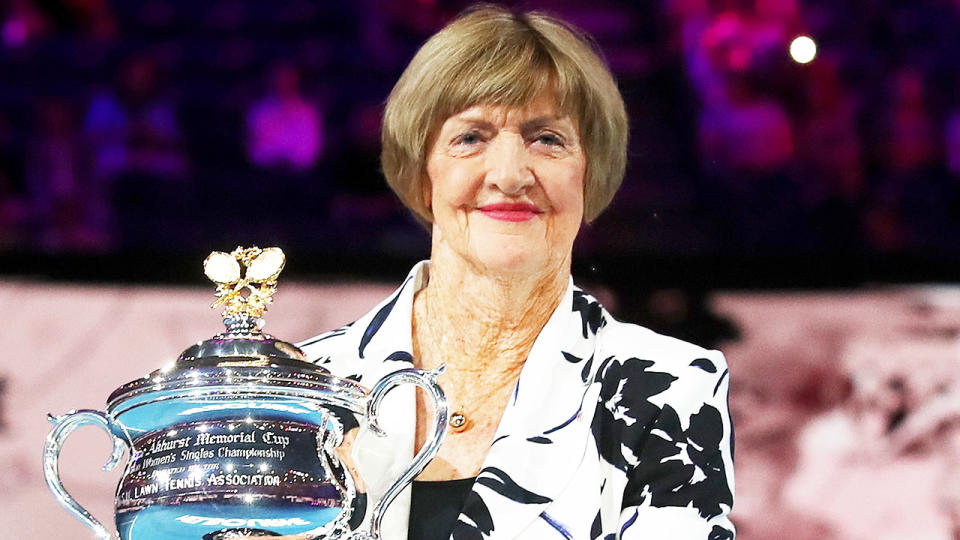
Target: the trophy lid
(241, 355)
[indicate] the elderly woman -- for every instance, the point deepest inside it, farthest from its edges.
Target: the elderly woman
(504, 134)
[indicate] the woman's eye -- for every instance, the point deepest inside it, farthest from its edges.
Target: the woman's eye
(469, 138)
(550, 139)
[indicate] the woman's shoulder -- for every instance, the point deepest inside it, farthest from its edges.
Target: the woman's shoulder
(338, 350)
(328, 346)
(361, 347)
(646, 352)
(625, 339)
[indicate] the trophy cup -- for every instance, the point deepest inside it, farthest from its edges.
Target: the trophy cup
(241, 436)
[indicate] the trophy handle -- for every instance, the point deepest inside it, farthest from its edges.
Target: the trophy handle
(64, 425)
(428, 381)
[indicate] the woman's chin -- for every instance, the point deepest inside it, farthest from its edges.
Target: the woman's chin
(504, 260)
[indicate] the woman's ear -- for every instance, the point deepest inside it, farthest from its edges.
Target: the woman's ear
(426, 192)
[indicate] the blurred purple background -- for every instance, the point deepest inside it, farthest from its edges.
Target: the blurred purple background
(172, 126)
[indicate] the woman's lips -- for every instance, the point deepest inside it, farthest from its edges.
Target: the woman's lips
(510, 211)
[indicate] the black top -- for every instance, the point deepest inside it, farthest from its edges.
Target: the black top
(434, 508)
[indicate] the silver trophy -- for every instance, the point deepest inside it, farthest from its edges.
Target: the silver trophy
(241, 436)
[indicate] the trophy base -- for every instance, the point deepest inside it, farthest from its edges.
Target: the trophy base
(210, 522)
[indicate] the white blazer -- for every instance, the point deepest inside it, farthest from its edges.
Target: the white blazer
(613, 431)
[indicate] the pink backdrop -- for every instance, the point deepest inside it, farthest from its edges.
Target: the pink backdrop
(846, 404)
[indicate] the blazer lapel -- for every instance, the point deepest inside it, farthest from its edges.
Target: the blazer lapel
(542, 436)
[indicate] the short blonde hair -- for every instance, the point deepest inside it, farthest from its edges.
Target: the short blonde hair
(490, 55)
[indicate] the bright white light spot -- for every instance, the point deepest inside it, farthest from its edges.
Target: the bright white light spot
(163, 477)
(229, 467)
(171, 433)
(203, 428)
(248, 498)
(803, 49)
(263, 467)
(249, 420)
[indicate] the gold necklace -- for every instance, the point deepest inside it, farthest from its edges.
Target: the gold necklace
(460, 418)
(458, 421)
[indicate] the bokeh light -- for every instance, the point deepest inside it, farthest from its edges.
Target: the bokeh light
(803, 49)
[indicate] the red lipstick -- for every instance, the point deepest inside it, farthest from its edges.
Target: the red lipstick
(515, 212)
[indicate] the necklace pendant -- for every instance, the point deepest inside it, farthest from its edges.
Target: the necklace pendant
(458, 422)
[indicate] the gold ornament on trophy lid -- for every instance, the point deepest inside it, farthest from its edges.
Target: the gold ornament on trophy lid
(244, 292)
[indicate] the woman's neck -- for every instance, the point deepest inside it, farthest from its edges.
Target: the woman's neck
(474, 320)
(482, 326)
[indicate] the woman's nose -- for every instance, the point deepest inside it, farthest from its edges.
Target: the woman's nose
(507, 165)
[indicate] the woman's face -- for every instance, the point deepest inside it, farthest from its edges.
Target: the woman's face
(506, 187)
